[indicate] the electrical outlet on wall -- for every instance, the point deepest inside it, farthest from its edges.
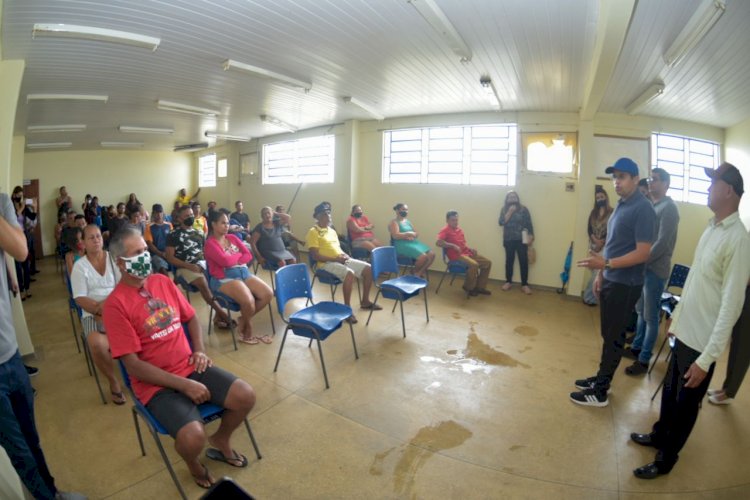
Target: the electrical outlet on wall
(570, 187)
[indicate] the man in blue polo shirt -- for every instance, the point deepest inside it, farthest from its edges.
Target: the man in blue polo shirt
(630, 233)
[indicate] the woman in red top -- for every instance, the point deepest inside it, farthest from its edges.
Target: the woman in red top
(360, 230)
(227, 259)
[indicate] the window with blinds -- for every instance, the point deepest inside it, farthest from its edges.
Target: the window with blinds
(309, 160)
(207, 170)
(685, 158)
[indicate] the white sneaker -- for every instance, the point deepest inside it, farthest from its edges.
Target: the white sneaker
(719, 399)
(714, 392)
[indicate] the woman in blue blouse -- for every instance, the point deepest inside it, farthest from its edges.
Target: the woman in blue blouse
(515, 219)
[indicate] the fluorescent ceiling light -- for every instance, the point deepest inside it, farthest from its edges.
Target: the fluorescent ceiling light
(436, 18)
(644, 99)
(121, 144)
(702, 21)
(187, 148)
(363, 105)
(228, 137)
(266, 73)
(281, 124)
(49, 145)
(185, 108)
(66, 97)
(144, 130)
(93, 33)
(491, 91)
(56, 128)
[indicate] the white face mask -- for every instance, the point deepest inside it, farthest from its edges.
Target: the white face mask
(138, 266)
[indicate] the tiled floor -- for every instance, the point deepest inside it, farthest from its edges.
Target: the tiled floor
(473, 404)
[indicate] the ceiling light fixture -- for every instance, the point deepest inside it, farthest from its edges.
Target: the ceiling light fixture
(436, 18)
(133, 129)
(363, 105)
(644, 99)
(278, 123)
(187, 148)
(699, 24)
(93, 33)
(66, 97)
(56, 128)
(121, 144)
(267, 73)
(48, 145)
(489, 89)
(228, 137)
(185, 108)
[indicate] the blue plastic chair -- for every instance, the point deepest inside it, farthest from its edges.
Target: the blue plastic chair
(182, 282)
(668, 303)
(401, 288)
(73, 306)
(327, 278)
(403, 261)
(208, 411)
(357, 253)
(316, 322)
(452, 267)
(271, 267)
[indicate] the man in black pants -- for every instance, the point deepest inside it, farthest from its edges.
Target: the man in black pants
(710, 304)
(630, 233)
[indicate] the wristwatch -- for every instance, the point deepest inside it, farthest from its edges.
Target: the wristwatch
(607, 264)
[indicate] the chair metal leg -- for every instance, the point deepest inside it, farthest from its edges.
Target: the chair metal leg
(75, 331)
(322, 362)
(377, 295)
(394, 307)
(441, 281)
(89, 362)
(138, 431)
(270, 313)
(232, 329)
(210, 319)
(281, 348)
(168, 464)
(354, 342)
(426, 311)
(661, 384)
(658, 353)
(252, 439)
(92, 368)
(403, 323)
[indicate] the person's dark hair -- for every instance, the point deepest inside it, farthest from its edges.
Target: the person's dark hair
(237, 202)
(354, 207)
(663, 174)
(213, 216)
(195, 204)
(17, 189)
(508, 194)
(95, 198)
(117, 243)
(133, 209)
(451, 213)
(71, 237)
(642, 182)
(80, 216)
(225, 211)
(594, 215)
(121, 204)
(157, 207)
(399, 206)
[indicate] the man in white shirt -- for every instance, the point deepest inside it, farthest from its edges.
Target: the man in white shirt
(702, 323)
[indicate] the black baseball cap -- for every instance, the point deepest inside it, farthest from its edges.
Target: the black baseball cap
(729, 174)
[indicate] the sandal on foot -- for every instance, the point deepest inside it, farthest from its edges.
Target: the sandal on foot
(352, 320)
(217, 455)
(251, 340)
(118, 398)
(221, 324)
(266, 339)
(371, 305)
(507, 286)
(204, 481)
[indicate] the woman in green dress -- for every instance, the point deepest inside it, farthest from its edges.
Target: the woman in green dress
(404, 238)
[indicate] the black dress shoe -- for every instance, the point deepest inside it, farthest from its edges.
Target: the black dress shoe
(636, 369)
(651, 471)
(631, 353)
(643, 439)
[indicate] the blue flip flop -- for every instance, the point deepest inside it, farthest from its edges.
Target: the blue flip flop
(217, 455)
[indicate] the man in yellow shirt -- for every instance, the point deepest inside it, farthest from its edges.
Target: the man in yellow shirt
(183, 198)
(323, 243)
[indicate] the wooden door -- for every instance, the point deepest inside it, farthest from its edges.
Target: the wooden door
(31, 191)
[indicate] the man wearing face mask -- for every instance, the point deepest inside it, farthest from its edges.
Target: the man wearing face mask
(185, 252)
(143, 317)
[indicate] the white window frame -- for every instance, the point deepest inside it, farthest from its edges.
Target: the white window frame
(207, 170)
(222, 166)
(308, 160)
(550, 141)
(457, 155)
(684, 159)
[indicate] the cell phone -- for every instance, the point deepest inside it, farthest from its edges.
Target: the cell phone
(29, 201)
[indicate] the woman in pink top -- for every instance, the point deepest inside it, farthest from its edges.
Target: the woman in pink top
(360, 230)
(227, 259)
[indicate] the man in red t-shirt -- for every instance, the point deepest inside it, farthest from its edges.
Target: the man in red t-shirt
(143, 318)
(452, 239)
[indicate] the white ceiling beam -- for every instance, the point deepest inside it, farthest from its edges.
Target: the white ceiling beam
(611, 30)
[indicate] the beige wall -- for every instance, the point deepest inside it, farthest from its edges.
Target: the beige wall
(154, 176)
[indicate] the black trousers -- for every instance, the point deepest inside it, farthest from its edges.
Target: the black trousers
(616, 303)
(679, 405)
(739, 351)
(513, 247)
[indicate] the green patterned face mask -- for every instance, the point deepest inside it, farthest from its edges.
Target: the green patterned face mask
(138, 266)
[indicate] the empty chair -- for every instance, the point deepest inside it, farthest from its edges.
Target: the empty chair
(401, 288)
(669, 302)
(316, 322)
(452, 267)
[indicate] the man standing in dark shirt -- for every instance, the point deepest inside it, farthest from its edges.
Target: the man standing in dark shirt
(630, 233)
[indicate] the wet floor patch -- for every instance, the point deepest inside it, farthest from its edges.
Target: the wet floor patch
(428, 440)
(455, 315)
(526, 331)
